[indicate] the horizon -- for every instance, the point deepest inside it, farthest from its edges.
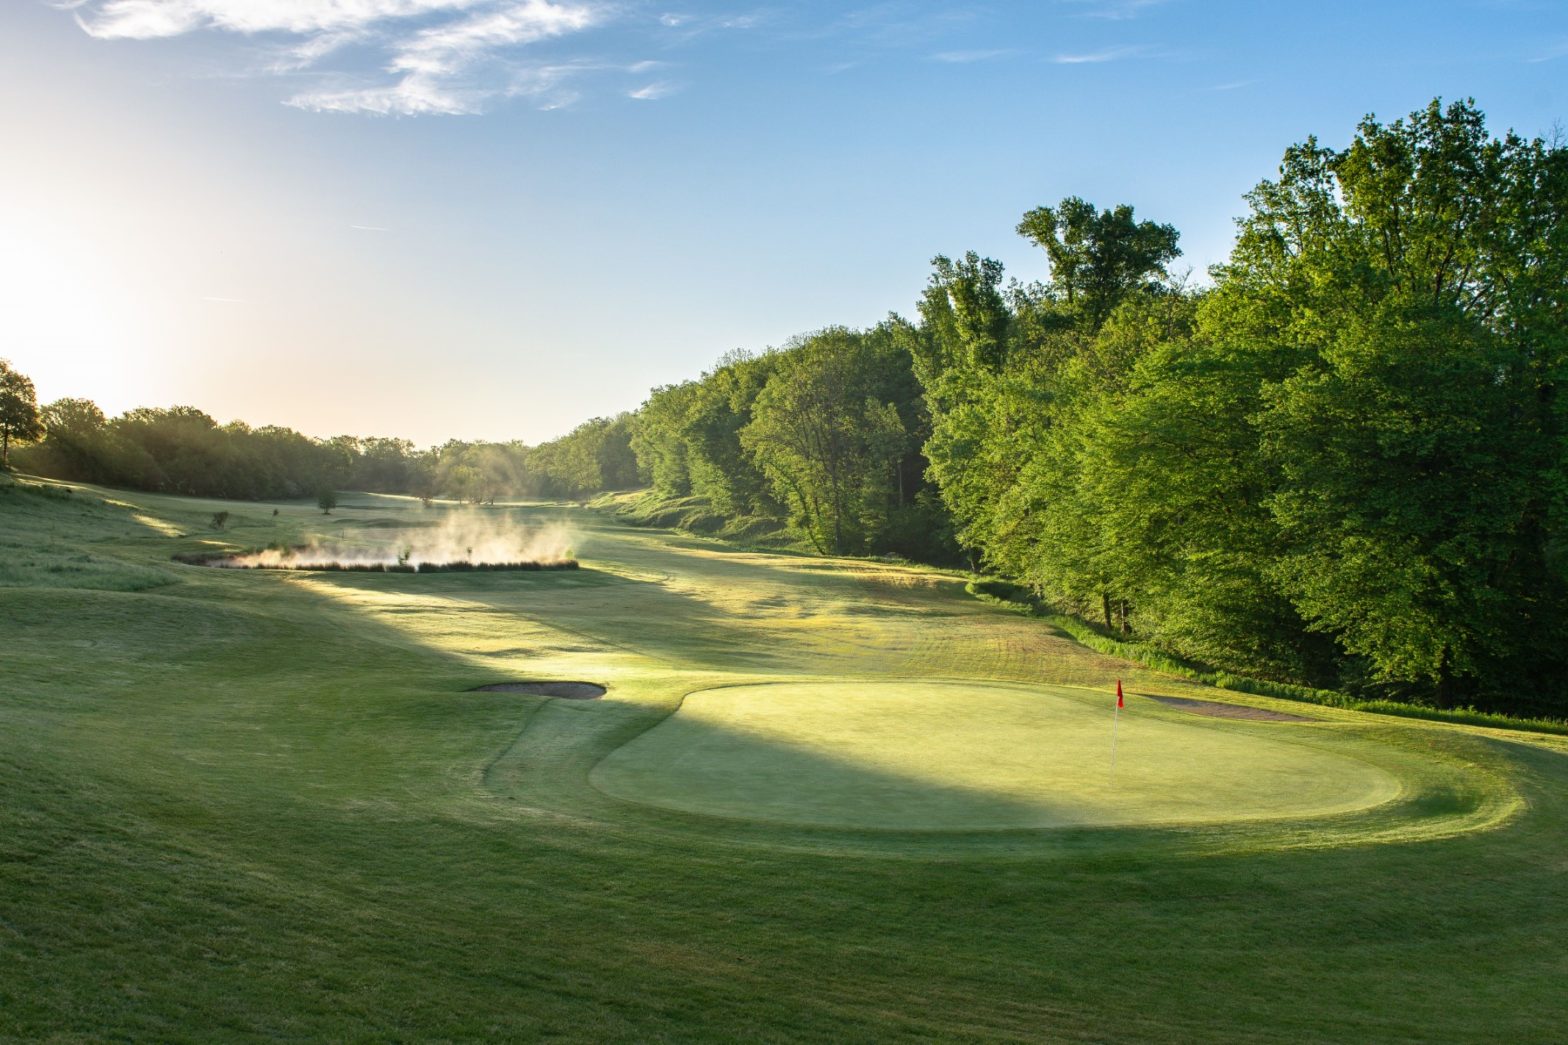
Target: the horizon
(496, 219)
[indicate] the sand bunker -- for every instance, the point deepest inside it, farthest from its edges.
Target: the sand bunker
(563, 690)
(1215, 709)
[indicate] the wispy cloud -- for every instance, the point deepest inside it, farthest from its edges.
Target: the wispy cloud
(901, 23)
(152, 19)
(428, 56)
(684, 27)
(966, 57)
(653, 91)
(1233, 85)
(1110, 54)
(1551, 54)
(1113, 10)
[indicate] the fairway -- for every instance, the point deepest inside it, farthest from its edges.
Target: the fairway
(963, 756)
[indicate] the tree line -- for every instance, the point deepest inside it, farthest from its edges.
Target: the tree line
(1340, 463)
(184, 451)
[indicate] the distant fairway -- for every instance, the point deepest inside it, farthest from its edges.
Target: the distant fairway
(820, 800)
(966, 756)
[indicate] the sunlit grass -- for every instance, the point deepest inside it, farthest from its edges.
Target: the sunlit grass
(961, 756)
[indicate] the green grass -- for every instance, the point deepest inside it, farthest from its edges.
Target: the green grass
(963, 756)
(251, 805)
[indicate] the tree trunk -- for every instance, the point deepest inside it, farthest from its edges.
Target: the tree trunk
(1105, 609)
(1445, 682)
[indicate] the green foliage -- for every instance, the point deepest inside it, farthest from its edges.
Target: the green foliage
(825, 433)
(658, 438)
(19, 420)
(1098, 258)
(1344, 466)
(1417, 445)
(829, 445)
(326, 500)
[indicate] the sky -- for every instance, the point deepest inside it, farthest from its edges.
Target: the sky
(495, 219)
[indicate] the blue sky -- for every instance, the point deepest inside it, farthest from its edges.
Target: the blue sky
(496, 218)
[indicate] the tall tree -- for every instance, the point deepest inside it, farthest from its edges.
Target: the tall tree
(18, 411)
(1099, 257)
(824, 439)
(1416, 282)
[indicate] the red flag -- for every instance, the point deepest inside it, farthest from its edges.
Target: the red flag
(1119, 694)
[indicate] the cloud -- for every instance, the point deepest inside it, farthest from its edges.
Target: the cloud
(428, 56)
(1112, 54)
(965, 57)
(1551, 54)
(1113, 10)
(444, 49)
(653, 91)
(151, 19)
(684, 27)
(413, 95)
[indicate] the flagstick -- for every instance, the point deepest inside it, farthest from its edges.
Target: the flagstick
(1116, 718)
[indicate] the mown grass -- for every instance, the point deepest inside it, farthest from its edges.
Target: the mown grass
(963, 756)
(247, 806)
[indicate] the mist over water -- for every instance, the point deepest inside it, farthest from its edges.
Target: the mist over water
(462, 537)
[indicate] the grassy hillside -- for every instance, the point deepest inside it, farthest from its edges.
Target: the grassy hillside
(266, 804)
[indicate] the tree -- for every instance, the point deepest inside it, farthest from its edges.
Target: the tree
(720, 406)
(326, 500)
(1414, 283)
(657, 438)
(19, 419)
(826, 443)
(965, 319)
(1099, 257)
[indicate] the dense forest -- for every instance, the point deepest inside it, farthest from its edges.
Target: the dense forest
(1338, 463)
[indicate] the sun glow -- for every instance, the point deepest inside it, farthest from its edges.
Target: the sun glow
(71, 319)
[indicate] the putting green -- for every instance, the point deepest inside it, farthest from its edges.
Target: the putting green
(972, 756)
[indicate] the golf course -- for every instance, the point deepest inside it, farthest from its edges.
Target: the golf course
(795, 797)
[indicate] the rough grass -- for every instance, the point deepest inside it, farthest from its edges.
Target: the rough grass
(695, 516)
(262, 806)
